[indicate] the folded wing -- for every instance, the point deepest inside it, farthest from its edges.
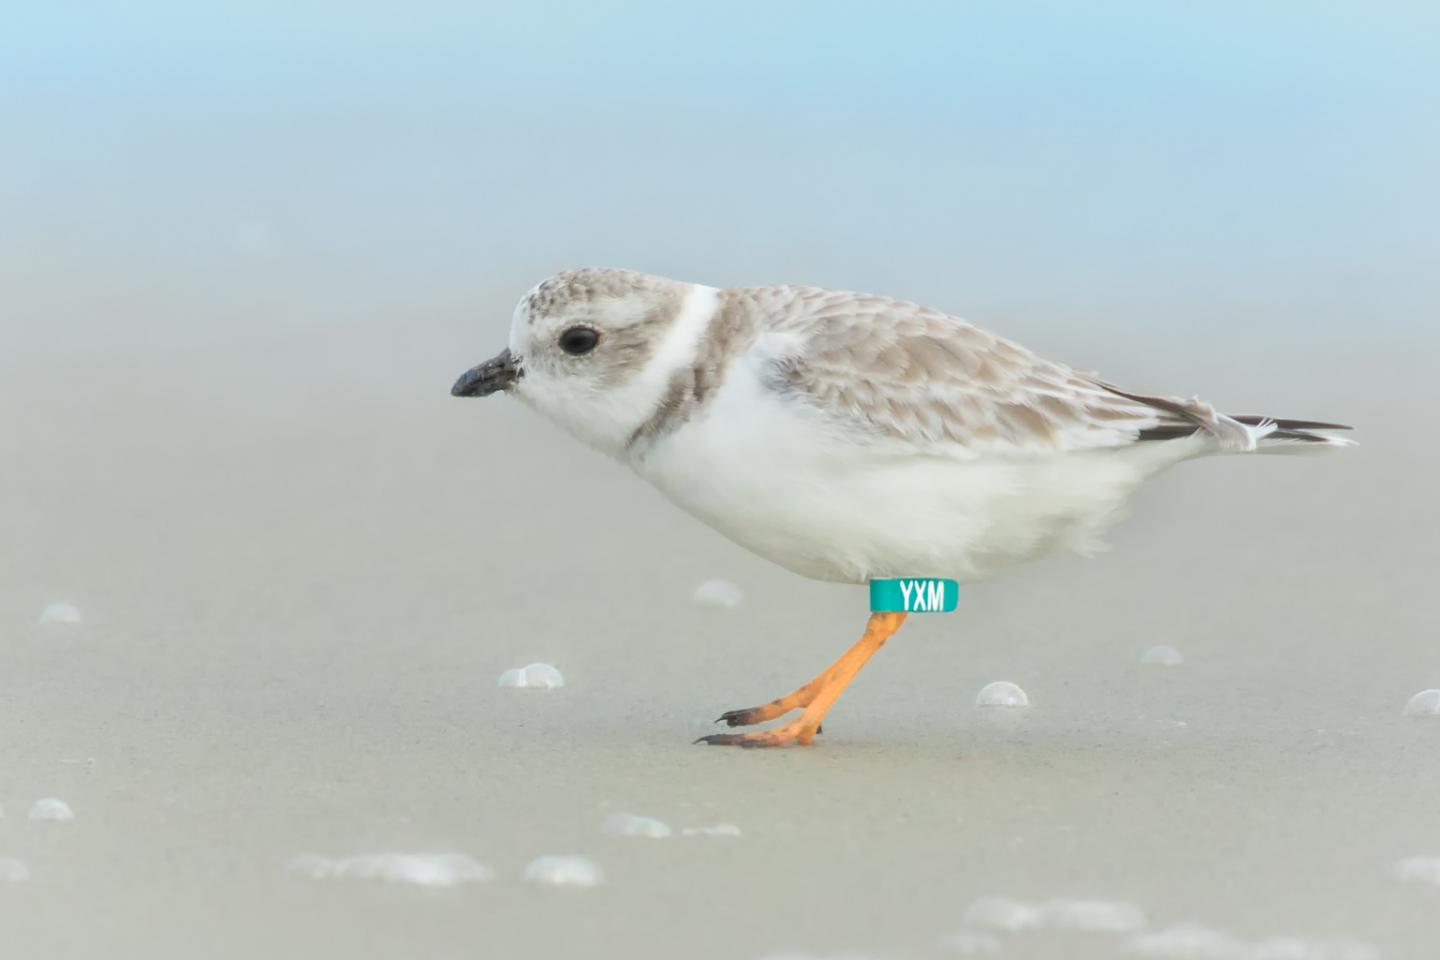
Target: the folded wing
(891, 369)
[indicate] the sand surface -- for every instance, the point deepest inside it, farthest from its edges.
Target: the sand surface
(302, 567)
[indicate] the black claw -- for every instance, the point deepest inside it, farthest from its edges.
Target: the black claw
(729, 740)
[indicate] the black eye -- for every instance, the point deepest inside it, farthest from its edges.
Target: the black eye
(578, 340)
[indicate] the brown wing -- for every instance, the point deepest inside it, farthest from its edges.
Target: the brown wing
(896, 369)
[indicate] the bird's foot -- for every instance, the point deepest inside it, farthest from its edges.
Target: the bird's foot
(815, 697)
(753, 715)
(800, 731)
(794, 700)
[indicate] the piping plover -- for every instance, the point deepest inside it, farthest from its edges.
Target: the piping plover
(848, 437)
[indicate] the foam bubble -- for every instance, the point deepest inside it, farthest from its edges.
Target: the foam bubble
(971, 943)
(13, 871)
(535, 676)
(421, 869)
(1099, 915)
(1418, 870)
(1294, 948)
(62, 613)
(1001, 913)
(718, 593)
(51, 808)
(1162, 654)
(1426, 703)
(630, 825)
(1188, 940)
(564, 872)
(714, 830)
(1195, 942)
(1001, 693)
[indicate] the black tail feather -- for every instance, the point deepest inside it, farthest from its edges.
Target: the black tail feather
(1284, 429)
(1253, 421)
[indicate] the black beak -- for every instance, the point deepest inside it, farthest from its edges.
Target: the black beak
(497, 373)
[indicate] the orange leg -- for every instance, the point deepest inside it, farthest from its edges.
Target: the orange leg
(816, 697)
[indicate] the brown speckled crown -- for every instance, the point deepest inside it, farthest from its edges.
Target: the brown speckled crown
(588, 284)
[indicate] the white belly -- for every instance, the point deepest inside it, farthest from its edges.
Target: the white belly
(771, 475)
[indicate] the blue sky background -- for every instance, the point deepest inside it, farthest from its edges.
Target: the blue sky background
(1240, 166)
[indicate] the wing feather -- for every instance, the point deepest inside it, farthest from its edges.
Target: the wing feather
(893, 369)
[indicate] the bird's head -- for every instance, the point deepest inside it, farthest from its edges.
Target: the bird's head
(592, 350)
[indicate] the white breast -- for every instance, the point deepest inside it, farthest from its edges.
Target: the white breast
(772, 475)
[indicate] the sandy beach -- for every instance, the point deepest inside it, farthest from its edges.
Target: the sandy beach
(297, 601)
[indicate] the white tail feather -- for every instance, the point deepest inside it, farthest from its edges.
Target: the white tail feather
(1291, 446)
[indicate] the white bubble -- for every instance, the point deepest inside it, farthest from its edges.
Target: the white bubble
(1001, 693)
(1418, 870)
(51, 808)
(1190, 941)
(421, 869)
(536, 676)
(1195, 942)
(971, 943)
(630, 825)
(1163, 655)
(1294, 948)
(13, 871)
(715, 830)
(1426, 703)
(718, 593)
(1000, 913)
(564, 872)
(1100, 915)
(64, 613)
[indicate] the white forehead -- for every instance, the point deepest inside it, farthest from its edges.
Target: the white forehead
(520, 321)
(603, 296)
